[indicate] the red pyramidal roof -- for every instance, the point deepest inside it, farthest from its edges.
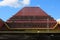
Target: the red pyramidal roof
(31, 17)
(31, 11)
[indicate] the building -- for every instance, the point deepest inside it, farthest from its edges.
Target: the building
(30, 20)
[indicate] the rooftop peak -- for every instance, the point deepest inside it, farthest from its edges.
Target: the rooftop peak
(31, 11)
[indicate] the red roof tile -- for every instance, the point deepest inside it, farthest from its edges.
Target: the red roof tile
(31, 15)
(30, 11)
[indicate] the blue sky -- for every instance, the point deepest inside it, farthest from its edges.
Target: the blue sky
(51, 7)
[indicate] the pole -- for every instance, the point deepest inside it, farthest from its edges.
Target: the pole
(48, 24)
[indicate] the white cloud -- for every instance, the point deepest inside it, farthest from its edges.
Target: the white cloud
(14, 3)
(58, 21)
(26, 2)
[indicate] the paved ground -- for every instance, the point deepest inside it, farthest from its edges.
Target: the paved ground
(29, 37)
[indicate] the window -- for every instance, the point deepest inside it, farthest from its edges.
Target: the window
(29, 18)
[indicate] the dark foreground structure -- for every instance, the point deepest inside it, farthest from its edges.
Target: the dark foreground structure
(30, 23)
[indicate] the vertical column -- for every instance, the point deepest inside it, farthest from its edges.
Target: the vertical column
(48, 24)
